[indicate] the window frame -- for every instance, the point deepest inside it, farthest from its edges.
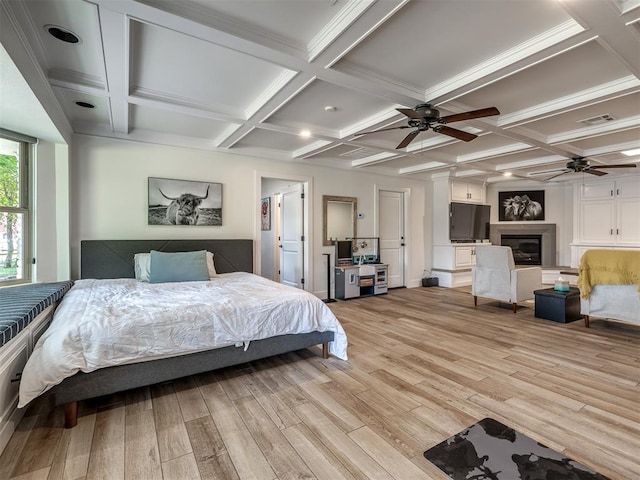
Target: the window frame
(25, 153)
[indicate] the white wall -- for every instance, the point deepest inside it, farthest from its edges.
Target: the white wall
(109, 197)
(558, 199)
(51, 222)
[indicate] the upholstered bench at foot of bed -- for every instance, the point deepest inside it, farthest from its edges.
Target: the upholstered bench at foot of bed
(109, 380)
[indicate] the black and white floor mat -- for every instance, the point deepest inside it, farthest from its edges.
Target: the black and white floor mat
(489, 450)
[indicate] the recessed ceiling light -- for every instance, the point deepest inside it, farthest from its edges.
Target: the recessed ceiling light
(85, 105)
(631, 153)
(62, 34)
(305, 133)
(507, 174)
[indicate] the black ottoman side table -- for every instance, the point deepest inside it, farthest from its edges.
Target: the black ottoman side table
(558, 306)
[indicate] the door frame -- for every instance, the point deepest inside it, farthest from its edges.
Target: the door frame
(307, 182)
(406, 197)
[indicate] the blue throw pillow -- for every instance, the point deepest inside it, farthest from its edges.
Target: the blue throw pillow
(178, 267)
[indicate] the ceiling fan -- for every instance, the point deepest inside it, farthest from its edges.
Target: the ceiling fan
(581, 164)
(424, 117)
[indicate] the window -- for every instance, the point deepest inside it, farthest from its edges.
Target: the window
(14, 211)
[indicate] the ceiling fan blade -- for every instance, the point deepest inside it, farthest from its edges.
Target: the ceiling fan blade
(408, 139)
(384, 130)
(458, 117)
(454, 132)
(595, 172)
(629, 165)
(410, 113)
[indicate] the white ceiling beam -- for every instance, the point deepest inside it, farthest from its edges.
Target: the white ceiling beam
(423, 167)
(374, 159)
(590, 96)
(493, 152)
(313, 149)
(16, 43)
(595, 130)
(115, 29)
(533, 162)
(603, 19)
(506, 59)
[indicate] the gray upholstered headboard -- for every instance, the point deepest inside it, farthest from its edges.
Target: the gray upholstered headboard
(114, 258)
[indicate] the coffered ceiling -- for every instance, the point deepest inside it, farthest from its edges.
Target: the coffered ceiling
(248, 76)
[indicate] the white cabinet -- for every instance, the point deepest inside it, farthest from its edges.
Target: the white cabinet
(13, 357)
(467, 192)
(597, 221)
(464, 256)
(609, 212)
(452, 263)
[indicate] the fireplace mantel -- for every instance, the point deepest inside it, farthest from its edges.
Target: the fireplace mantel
(547, 230)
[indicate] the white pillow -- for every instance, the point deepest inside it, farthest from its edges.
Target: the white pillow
(142, 266)
(211, 266)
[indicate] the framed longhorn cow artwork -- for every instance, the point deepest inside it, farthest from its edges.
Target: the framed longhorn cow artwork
(521, 206)
(184, 202)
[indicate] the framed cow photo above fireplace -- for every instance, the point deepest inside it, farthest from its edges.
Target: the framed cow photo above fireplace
(184, 202)
(521, 206)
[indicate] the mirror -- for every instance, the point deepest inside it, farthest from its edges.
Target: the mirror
(338, 218)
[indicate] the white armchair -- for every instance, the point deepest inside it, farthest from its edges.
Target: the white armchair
(496, 276)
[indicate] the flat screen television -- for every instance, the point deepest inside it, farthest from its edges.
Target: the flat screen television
(469, 222)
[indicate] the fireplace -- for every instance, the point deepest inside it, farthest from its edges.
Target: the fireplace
(546, 232)
(527, 249)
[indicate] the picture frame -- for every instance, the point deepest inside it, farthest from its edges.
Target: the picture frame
(183, 202)
(265, 213)
(519, 206)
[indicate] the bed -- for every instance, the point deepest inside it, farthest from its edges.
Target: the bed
(108, 286)
(609, 282)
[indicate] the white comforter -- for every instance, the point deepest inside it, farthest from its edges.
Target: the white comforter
(101, 323)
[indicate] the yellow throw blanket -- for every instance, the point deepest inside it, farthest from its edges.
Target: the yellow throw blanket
(608, 267)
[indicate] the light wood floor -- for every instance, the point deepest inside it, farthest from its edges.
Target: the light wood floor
(424, 364)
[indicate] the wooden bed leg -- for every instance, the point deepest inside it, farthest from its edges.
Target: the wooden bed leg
(586, 321)
(325, 350)
(70, 414)
(475, 300)
(515, 307)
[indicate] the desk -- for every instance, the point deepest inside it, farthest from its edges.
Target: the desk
(558, 306)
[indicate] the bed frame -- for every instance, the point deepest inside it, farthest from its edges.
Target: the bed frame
(114, 259)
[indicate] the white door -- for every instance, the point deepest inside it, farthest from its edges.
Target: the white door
(291, 236)
(391, 231)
